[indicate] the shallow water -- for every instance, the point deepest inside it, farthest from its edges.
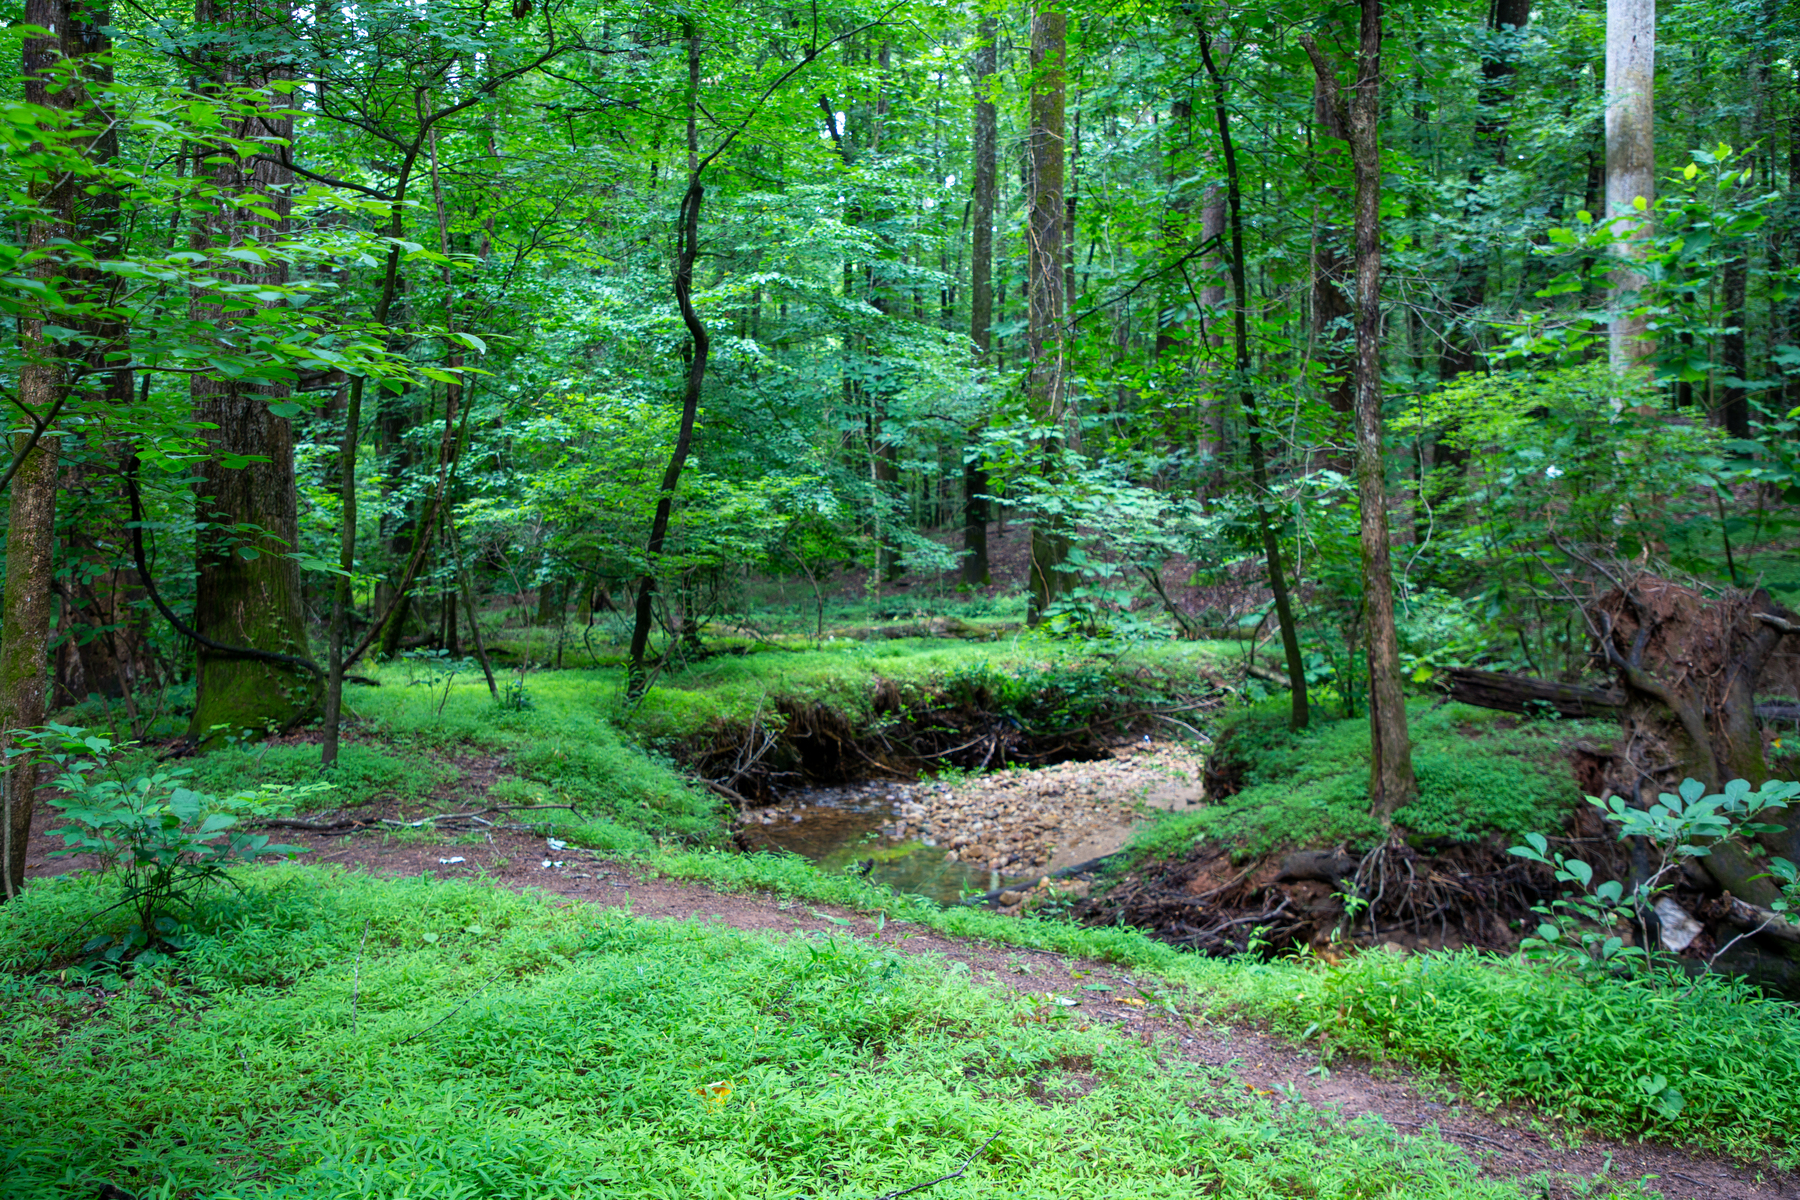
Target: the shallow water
(841, 828)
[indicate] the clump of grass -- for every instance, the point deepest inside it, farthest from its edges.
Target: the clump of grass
(361, 1038)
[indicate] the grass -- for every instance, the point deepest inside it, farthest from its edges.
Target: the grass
(1507, 1029)
(333, 1036)
(560, 750)
(1480, 773)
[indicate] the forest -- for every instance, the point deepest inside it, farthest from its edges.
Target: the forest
(1060, 590)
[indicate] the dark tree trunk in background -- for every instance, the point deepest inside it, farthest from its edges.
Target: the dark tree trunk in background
(1268, 519)
(1332, 312)
(248, 591)
(1461, 348)
(975, 571)
(1047, 308)
(1392, 784)
(1734, 349)
(700, 346)
(103, 647)
(1209, 439)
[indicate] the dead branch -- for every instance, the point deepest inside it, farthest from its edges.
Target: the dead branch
(956, 1174)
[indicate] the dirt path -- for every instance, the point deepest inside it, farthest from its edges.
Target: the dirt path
(1510, 1144)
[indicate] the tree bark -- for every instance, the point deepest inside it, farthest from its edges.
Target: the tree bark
(1630, 167)
(1392, 784)
(248, 591)
(102, 647)
(975, 569)
(1268, 521)
(1046, 314)
(31, 519)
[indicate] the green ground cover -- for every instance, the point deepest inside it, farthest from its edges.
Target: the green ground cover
(331, 1037)
(1507, 1029)
(1480, 773)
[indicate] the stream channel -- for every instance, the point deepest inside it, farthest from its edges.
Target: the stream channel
(1013, 826)
(840, 828)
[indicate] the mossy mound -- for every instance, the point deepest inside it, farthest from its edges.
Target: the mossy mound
(1480, 774)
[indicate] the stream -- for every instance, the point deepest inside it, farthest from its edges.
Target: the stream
(839, 828)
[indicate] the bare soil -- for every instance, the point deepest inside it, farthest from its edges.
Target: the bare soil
(1509, 1143)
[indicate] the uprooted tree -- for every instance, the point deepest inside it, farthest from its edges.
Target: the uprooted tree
(1690, 665)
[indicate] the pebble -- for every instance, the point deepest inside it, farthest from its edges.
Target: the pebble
(1011, 821)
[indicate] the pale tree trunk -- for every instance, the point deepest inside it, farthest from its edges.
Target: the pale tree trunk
(1046, 320)
(1630, 166)
(248, 591)
(1209, 441)
(981, 293)
(31, 520)
(1392, 784)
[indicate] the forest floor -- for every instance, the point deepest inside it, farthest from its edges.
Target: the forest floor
(1544, 1155)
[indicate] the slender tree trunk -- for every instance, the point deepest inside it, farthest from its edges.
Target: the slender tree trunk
(1268, 520)
(975, 570)
(688, 235)
(1392, 784)
(248, 591)
(1630, 166)
(1046, 317)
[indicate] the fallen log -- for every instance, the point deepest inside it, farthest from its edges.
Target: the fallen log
(1524, 694)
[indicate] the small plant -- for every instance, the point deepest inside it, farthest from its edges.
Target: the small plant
(1578, 930)
(432, 667)
(163, 843)
(515, 696)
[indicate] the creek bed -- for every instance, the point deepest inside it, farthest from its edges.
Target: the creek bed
(944, 840)
(851, 825)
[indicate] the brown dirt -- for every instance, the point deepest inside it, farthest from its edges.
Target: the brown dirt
(1510, 1143)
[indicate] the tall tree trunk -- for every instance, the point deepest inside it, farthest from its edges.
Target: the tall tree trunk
(103, 648)
(31, 518)
(1046, 316)
(248, 591)
(1392, 784)
(687, 246)
(1630, 167)
(975, 570)
(1268, 519)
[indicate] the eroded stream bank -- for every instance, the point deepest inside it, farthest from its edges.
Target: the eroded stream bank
(945, 837)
